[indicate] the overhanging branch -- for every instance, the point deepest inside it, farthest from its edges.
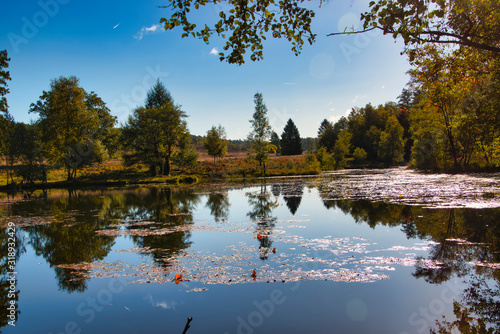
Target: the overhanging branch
(458, 39)
(352, 32)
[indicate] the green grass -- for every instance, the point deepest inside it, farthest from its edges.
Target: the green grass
(113, 173)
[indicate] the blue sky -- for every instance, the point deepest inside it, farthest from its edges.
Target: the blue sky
(118, 49)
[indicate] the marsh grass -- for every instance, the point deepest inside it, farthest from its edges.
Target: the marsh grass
(113, 172)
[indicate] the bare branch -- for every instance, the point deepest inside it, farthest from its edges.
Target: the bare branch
(352, 32)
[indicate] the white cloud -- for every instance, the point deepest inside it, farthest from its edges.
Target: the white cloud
(383, 86)
(334, 118)
(355, 99)
(163, 304)
(148, 30)
(289, 83)
(116, 26)
(214, 51)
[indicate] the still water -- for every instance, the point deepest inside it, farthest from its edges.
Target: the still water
(350, 252)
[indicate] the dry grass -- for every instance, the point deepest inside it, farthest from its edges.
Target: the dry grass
(236, 164)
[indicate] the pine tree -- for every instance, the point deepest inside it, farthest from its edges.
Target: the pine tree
(291, 143)
(4, 77)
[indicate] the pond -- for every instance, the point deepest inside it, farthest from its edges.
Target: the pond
(390, 251)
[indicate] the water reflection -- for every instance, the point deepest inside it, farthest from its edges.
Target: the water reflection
(461, 237)
(84, 226)
(292, 195)
(166, 207)
(262, 203)
(70, 236)
(218, 203)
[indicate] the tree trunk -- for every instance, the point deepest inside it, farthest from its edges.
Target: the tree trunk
(452, 146)
(167, 167)
(167, 163)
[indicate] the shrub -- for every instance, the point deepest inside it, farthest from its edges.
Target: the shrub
(359, 155)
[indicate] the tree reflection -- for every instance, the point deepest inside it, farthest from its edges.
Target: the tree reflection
(292, 194)
(76, 216)
(460, 237)
(372, 213)
(218, 203)
(478, 311)
(262, 206)
(167, 207)
(71, 236)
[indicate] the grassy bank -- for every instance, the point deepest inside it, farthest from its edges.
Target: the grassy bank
(112, 173)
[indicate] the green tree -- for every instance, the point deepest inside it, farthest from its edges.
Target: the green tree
(326, 160)
(359, 155)
(468, 23)
(366, 125)
(458, 86)
(291, 143)
(26, 148)
(154, 135)
(310, 144)
(427, 151)
(158, 96)
(5, 118)
(186, 155)
(392, 143)
(4, 77)
(246, 24)
(326, 135)
(261, 133)
(106, 136)
(276, 141)
(216, 142)
(407, 101)
(7, 126)
(71, 124)
(341, 149)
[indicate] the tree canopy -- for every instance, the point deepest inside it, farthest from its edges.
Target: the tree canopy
(246, 25)
(216, 142)
(470, 23)
(154, 135)
(459, 93)
(73, 124)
